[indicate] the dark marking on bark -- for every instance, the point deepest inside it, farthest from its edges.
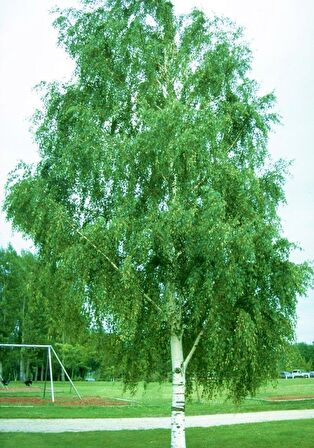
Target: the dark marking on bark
(178, 409)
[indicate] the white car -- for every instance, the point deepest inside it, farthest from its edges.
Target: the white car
(299, 374)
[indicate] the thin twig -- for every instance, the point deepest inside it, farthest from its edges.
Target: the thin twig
(199, 184)
(237, 137)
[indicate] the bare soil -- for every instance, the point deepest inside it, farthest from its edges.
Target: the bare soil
(24, 390)
(291, 398)
(89, 401)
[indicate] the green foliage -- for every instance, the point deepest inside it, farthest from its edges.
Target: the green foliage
(156, 197)
(18, 297)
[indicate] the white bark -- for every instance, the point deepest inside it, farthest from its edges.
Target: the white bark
(22, 366)
(178, 394)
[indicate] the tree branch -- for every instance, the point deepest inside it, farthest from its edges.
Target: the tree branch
(113, 264)
(97, 248)
(237, 136)
(196, 342)
(152, 302)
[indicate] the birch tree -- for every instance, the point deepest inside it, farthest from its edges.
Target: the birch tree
(155, 186)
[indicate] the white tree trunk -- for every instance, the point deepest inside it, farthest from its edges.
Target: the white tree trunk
(178, 394)
(22, 366)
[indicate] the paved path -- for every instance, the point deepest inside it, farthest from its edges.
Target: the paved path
(112, 424)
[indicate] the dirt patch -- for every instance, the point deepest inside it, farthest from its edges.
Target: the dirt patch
(91, 401)
(291, 398)
(24, 390)
(36, 401)
(21, 400)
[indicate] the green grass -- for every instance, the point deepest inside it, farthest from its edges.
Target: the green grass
(153, 401)
(299, 433)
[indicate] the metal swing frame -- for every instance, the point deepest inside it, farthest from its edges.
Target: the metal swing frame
(51, 351)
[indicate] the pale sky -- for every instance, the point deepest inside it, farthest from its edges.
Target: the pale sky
(281, 35)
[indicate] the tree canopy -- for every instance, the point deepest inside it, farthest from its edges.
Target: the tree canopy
(156, 189)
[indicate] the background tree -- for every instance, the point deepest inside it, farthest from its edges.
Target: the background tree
(307, 353)
(38, 306)
(292, 359)
(156, 189)
(17, 281)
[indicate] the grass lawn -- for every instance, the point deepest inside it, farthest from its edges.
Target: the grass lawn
(154, 400)
(299, 433)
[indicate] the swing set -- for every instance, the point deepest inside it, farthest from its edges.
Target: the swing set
(50, 352)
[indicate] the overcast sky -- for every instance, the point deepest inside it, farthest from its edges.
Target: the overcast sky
(281, 35)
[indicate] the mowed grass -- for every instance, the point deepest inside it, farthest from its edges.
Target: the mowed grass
(153, 400)
(291, 434)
